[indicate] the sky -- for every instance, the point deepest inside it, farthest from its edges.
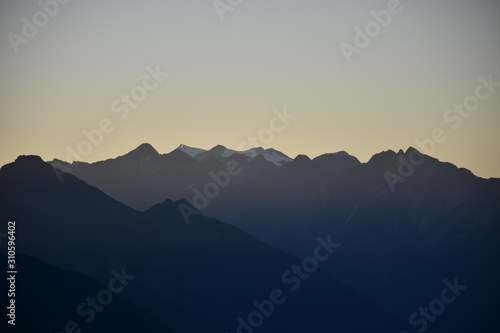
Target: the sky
(234, 68)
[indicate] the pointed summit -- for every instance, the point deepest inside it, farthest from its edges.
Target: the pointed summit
(386, 156)
(145, 150)
(270, 154)
(218, 150)
(191, 151)
(222, 151)
(411, 150)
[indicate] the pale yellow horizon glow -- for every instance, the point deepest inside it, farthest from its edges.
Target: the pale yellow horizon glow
(226, 78)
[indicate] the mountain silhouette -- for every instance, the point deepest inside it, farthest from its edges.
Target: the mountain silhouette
(47, 299)
(201, 276)
(430, 225)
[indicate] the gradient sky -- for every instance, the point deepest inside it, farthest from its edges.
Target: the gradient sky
(227, 76)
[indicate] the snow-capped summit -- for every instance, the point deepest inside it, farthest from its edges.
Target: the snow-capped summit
(191, 151)
(271, 155)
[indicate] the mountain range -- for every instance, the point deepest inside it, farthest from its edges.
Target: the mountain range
(271, 155)
(439, 222)
(209, 234)
(205, 276)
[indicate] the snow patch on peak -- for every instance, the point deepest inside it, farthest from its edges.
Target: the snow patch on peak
(191, 151)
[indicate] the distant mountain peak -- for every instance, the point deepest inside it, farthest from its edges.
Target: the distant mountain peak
(337, 162)
(255, 150)
(339, 154)
(146, 147)
(29, 160)
(384, 155)
(302, 158)
(220, 149)
(143, 151)
(179, 155)
(385, 159)
(31, 164)
(271, 155)
(191, 151)
(28, 165)
(411, 150)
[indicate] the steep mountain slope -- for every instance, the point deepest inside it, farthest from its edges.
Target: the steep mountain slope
(48, 299)
(412, 236)
(271, 155)
(401, 245)
(191, 151)
(197, 277)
